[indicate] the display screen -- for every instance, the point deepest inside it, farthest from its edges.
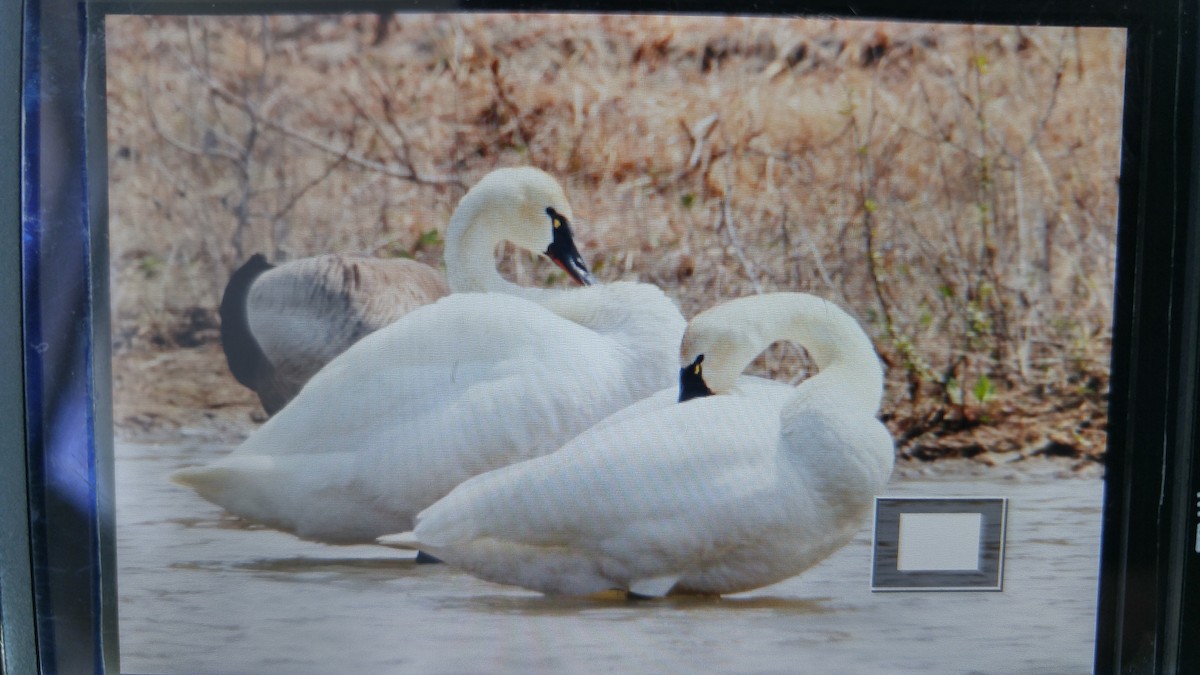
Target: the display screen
(952, 188)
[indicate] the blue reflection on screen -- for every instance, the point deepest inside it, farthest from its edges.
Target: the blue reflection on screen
(65, 519)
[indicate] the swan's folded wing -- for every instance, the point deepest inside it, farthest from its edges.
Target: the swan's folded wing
(443, 367)
(669, 480)
(453, 389)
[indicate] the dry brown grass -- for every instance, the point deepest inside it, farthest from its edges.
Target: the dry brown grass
(952, 186)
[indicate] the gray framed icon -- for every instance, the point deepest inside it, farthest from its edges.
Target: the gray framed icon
(939, 544)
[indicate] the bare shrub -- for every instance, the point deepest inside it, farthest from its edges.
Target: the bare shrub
(952, 186)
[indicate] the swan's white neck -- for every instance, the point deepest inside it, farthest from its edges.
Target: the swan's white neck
(471, 250)
(738, 331)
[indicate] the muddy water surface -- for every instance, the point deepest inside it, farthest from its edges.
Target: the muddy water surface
(203, 593)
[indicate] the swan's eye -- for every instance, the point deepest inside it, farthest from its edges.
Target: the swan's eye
(556, 218)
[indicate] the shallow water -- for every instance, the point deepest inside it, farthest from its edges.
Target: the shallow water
(203, 593)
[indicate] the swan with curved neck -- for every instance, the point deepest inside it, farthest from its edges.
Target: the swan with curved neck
(743, 486)
(476, 381)
(281, 324)
(525, 206)
(730, 336)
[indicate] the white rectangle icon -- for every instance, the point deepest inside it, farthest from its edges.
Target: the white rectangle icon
(939, 541)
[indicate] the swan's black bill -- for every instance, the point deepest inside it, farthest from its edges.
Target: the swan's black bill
(691, 381)
(563, 252)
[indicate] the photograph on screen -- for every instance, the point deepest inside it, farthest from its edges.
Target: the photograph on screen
(639, 313)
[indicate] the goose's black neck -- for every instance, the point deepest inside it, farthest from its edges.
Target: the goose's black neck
(243, 353)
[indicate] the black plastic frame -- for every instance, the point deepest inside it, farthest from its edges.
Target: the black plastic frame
(61, 617)
(16, 601)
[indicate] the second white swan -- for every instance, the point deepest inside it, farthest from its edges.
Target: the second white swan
(718, 494)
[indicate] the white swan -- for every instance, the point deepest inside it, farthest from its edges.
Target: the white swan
(468, 384)
(281, 324)
(718, 494)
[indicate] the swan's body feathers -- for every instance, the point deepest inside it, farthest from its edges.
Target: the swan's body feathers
(665, 504)
(514, 382)
(718, 494)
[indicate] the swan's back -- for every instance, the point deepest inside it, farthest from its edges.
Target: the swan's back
(642, 322)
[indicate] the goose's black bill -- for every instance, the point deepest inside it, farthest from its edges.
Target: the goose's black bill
(691, 381)
(563, 252)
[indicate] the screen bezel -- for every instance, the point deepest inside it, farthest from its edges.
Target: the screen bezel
(16, 599)
(1148, 597)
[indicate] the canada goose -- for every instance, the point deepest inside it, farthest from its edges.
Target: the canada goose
(281, 324)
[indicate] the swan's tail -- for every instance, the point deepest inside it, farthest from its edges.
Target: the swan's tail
(405, 540)
(193, 477)
(231, 483)
(446, 523)
(210, 482)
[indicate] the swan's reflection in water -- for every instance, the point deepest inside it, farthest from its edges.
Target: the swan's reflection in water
(615, 604)
(506, 600)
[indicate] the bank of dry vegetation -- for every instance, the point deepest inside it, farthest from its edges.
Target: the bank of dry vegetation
(954, 187)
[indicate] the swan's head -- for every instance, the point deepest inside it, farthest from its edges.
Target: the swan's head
(714, 353)
(691, 381)
(529, 208)
(727, 338)
(562, 249)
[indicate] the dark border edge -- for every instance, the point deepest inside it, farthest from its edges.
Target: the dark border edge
(96, 171)
(1154, 379)
(18, 639)
(1182, 610)
(1095, 13)
(11, 393)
